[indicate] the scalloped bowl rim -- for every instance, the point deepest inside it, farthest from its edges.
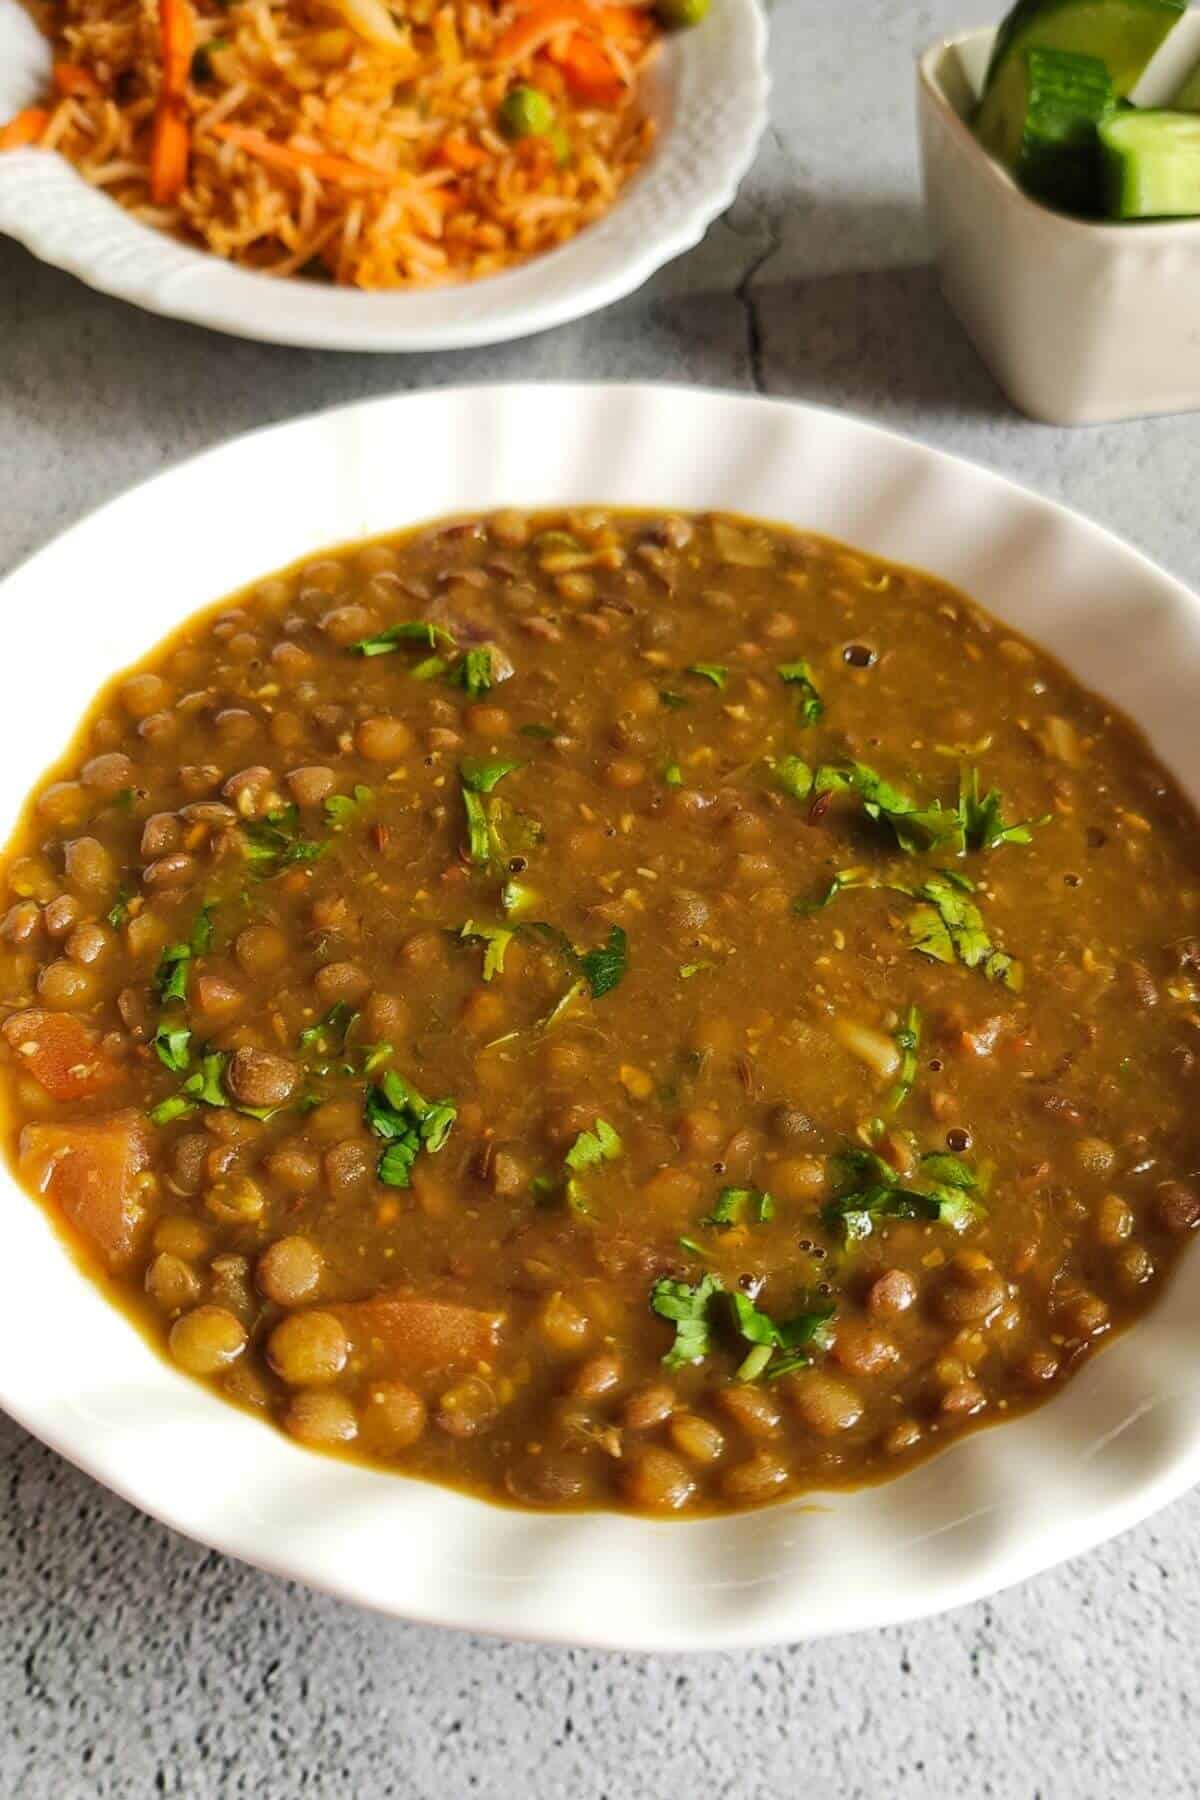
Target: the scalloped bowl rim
(708, 88)
(1123, 1437)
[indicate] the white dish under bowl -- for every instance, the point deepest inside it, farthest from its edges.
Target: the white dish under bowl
(1119, 1441)
(1079, 322)
(707, 90)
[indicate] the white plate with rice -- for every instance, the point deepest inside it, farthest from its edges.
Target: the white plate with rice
(704, 92)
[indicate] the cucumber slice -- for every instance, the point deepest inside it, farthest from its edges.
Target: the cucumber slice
(1042, 122)
(1150, 164)
(1188, 97)
(1124, 34)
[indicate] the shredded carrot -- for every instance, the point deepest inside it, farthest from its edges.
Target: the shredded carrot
(171, 142)
(69, 78)
(461, 154)
(283, 156)
(626, 26)
(26, 128)
(543, 21)
(177, 29)
(588, 71)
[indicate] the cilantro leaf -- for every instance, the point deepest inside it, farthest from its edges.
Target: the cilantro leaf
(603, 968)
(806, 1328)
(948, 926)
(408, 1124)
(171, 1047)
(118, 912)
(174, 967)
(410, 631)
(329, 1032)
(845, 878)
(673, 701)
(793, 776)
(798, 674)
(908, 1041)
(344, 810)
(673, 775)
(480, 774)
(590, 1148)
(917, 828)
(734, 1204)
(175, 1106)
(717, 673)
(276, 839)
(687, 1308)
(479, 838)
(950, 1197)
(496, 939)
(982, 819)
(474, 672)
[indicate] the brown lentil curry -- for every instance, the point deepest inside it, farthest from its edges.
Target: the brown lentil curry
(610, 1009)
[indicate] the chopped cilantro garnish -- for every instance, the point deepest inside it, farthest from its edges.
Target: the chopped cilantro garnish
(603, 968)
(948, 926)
(481, 773)
(982, 820)
(276, 839)
(672, 700)
(118, 912)
(845, 878)
(798, 674)
(174, 965)
(474, 672)
(590, 1148)
(687, 970)
(515, 897)
(496, 938)
(411, 631)
(673, 775)
(329, 1032)
(479, 842)
(908, 1041)
(344, 810)
(917, 828)
(539, 731)
(806, 1328)
(875, 1192)
(408, 1123)
(793, 776)
(171, 1047)
(717, 673)
(737, 1205)
(429, 668)
(692, 1247)
(687, 1307)
(173, 1107)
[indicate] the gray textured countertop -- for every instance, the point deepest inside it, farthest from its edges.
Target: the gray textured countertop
(136, 1664)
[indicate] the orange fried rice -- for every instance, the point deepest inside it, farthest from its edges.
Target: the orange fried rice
(378, 145)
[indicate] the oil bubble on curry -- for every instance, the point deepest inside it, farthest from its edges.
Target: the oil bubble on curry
(609, 1009)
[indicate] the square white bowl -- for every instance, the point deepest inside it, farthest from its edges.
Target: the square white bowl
(1079, 323)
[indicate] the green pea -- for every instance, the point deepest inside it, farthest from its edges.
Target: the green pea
(526, 112)
(678, 14)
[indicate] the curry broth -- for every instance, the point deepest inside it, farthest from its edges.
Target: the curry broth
(605, 1046)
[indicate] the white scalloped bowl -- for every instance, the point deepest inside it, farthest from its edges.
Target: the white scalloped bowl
(1119, 1441)
(707, 89)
